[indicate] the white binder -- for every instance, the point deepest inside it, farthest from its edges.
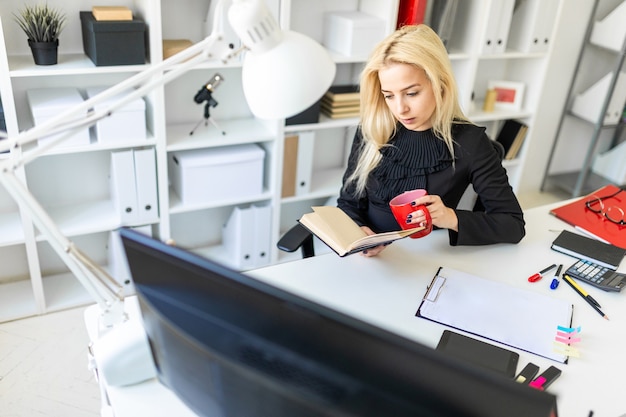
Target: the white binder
(123, 186)
(238, 238)
(118, 264)
(262, 218)
(532, 25)
(492, 27)
(146, 182)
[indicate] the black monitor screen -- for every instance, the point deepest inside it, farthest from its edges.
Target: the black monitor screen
(230, 345)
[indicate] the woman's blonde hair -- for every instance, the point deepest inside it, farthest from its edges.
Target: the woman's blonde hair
(421, 47)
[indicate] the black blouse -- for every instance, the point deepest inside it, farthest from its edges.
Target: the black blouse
(420, 160)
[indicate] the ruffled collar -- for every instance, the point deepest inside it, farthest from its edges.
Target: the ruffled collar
(406, 161)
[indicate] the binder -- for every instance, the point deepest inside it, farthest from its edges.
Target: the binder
(237, 238)
(492, 27)
(123, 186)
(304, 164)
(503, 25)
(118, 265)
(146, 183)
(290, 163)
(532, 318)
(511, 136)
(532, 25)
(262, 224)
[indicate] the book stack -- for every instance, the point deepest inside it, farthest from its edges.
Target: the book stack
(511, 136)
(341, 101)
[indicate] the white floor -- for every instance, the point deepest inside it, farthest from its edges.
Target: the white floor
(43, 360)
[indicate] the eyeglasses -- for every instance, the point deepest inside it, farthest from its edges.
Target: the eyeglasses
(613, 214)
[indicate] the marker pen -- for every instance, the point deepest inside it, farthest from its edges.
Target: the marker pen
(555, 281)
(539, 275)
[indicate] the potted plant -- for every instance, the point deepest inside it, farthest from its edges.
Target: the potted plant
(42, 24)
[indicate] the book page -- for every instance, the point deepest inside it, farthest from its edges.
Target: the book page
(333, 226)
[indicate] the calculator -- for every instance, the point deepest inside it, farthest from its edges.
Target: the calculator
(597, 275)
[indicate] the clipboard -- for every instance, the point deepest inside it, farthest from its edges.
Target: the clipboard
(513, 316)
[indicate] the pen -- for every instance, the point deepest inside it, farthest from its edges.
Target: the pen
(555, 280)
(583, 292)
(538, 275)
(584, 295)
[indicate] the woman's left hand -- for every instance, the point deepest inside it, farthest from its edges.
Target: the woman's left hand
(442, 216)
(375, 250)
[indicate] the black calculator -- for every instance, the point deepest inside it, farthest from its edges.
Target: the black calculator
(597, 275)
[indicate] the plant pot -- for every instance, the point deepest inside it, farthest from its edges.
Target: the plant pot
(44, 53)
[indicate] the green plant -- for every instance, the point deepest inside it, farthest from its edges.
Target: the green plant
(41, 23)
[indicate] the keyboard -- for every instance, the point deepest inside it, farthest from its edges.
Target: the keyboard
(597, 275)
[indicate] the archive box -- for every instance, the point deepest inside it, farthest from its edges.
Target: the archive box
(214, 174)
(47, 103)
(126, 123)
(113, 42)
(352, 33)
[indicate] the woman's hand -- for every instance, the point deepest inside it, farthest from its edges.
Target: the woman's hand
(443, 217)
(375, 250)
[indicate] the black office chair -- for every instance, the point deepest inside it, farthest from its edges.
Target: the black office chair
(298, 237)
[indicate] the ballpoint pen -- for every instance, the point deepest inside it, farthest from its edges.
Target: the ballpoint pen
(593, 303)
(539, 275)
(555, 281)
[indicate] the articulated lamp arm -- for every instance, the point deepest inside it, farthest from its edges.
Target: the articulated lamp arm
(277, 60)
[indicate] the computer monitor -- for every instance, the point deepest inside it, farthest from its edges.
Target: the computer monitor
(230, 345)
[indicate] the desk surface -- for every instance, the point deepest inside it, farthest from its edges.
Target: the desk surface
(386, 291)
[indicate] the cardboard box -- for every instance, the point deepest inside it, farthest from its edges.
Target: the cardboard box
(352, 33)
(112, 13)
(127, 123)
(46, 103)
(173, 46)
(116, 42)
(214, 174)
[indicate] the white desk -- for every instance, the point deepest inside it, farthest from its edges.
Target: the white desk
(386, 291)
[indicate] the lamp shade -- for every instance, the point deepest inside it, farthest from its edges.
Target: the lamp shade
(288, 78)
(284, 72)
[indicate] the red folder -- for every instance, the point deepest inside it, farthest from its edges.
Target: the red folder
(578, 215)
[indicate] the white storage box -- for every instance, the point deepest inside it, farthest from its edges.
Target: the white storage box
(126, 123)
(214, 174)
(46, 103)
(352, 33)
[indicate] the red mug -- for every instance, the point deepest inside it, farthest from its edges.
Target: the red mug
(401, 207)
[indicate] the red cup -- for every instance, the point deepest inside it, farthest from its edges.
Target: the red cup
(401, 207)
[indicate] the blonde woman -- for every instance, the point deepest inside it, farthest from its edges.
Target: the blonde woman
(413, 134)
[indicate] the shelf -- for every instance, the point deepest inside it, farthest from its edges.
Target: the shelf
(17, 300)
(72, 64)
(11, 227)
(238, 131)
(63, 291)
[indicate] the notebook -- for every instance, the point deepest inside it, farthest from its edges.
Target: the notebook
(583, 247)
(576, 214)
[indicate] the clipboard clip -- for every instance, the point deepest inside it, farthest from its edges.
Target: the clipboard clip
(435, 288)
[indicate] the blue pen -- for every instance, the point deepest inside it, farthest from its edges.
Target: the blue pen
(555, 281)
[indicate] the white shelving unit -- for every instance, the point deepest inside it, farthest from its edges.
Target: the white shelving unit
(72, 183)
(597, 98)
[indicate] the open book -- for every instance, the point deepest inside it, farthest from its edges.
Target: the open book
(337, 230)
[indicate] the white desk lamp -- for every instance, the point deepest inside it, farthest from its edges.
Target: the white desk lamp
(283, 73)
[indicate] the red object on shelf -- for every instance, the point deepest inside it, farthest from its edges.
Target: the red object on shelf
(411, 12)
